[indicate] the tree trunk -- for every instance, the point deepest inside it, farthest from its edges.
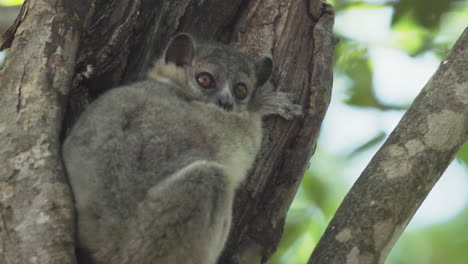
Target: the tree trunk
(66, 53)
(397, 180)
(35, 203)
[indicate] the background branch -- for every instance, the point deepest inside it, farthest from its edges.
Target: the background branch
(392, 187)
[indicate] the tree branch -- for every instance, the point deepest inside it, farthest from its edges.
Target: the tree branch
(392, 187)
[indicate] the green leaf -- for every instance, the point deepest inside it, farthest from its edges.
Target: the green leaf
(372, 142)
(293, 231)
(410, 36)
(353, 60)
(11, 2)
(426, 13)
(315, 190)
(463, 154)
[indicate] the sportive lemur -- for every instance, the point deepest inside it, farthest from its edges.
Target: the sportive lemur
(154, 165)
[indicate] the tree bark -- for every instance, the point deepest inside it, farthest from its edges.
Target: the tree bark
(392, 187)
(54, 71)
(36, 210)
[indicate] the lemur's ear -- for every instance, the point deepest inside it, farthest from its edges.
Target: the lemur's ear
(263, 70)
(180, 50)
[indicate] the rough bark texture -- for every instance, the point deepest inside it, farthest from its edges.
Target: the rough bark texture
(119, 41)
(35, 203)
(401, 174)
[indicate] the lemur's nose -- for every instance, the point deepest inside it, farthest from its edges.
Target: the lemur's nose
(225, 102)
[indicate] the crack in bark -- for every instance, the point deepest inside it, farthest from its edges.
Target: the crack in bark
(119, 37)
(276, 21)
(19, 93)
(7, 233)
(230, 25)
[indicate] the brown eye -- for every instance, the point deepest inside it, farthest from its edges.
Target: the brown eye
(240, 91)
(205, 80)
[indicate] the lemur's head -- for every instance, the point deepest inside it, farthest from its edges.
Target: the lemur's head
(214, 73)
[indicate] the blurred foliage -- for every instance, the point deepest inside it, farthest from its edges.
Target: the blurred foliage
(425, 13)
(417, 27)
(372, 142)
(355, 62)
(463, 154)
(3, 57)
(443, 243)
(10, 2)
(316, 201)
(3, 54)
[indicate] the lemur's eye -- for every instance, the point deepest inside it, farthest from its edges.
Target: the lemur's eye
(240, 91)
(205, 80)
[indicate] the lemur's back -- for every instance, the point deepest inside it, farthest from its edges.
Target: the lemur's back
(129, 128)
(129, 141)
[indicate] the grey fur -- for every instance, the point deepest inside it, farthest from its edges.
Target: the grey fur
(154, 165)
